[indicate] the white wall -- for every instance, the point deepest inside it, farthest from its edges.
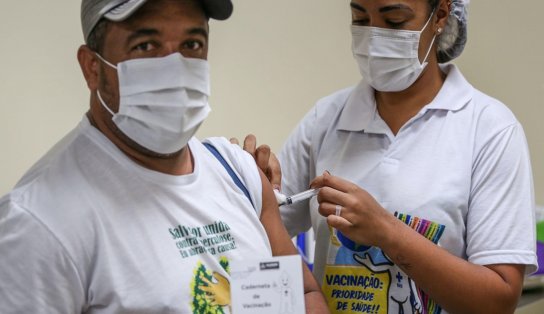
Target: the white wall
(270, 62)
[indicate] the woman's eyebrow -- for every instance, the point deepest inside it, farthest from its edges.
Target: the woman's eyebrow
(385, 9)
(394, 7)
(357, 7)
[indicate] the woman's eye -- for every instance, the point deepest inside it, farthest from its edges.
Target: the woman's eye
(360, 22)
(394, 24)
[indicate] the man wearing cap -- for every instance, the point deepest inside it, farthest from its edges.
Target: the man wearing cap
(129, 213)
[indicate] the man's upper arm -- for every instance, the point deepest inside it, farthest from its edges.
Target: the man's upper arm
(282, 245)
(270, 218)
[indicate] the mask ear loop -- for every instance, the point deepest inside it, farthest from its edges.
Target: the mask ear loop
(102, 102)
(429, 50)
(432, 41)
(104, 60)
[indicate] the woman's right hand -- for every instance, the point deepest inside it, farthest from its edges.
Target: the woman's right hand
(353, 211)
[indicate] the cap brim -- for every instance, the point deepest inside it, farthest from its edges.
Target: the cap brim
(215, 9)
(124, 10)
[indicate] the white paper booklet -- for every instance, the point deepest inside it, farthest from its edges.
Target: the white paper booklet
(267, 286)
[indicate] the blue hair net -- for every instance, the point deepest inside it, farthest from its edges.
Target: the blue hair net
(454, 37)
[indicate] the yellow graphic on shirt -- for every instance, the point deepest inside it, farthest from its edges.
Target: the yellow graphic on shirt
(210, 289)
(333, 238)
(352, 289)
(362, 279)
(217, 293)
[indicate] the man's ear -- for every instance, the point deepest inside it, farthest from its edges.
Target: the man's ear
(88, 61)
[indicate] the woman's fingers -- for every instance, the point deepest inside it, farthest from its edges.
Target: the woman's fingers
(327, 208)
(350, 209)
(274, 172)
(262, 157)
(337, 183)
(339, 222)
(334, 211)
(234, 140)
(250, 144)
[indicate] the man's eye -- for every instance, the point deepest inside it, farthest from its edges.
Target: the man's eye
(146, 46)
(193, 45)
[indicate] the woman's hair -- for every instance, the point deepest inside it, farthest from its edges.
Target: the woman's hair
(453, 38)
(433, 4)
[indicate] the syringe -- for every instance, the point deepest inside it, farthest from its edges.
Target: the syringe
(287, 200)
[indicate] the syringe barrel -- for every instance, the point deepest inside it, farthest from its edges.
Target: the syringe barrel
(303, 195)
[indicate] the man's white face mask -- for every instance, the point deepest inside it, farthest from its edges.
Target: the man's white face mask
(163, 101)
(388, 59)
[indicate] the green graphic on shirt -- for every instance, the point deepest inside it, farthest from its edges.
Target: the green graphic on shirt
(210, 290)
(214, 239)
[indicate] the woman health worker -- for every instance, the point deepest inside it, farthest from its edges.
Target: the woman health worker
(426, 200)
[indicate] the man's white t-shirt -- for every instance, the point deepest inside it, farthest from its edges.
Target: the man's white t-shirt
(87, 230)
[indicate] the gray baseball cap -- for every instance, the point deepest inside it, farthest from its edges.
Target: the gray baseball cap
(118, 10)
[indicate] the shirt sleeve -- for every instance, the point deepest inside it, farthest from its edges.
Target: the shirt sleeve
(501, 222)
(36, 274)
(243, 164)
(297, 172)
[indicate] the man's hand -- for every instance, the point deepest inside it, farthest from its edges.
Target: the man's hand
(266, 160)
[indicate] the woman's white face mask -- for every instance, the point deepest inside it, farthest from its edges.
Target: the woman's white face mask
(388, 59)
(163, 101)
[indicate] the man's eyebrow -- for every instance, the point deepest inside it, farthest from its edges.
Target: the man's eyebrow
(198, 31)
(355, 6)
(141, 33)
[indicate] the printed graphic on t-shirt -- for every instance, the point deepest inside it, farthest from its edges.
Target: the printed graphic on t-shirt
(213, 238)
(362, 279)
(210, 290)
